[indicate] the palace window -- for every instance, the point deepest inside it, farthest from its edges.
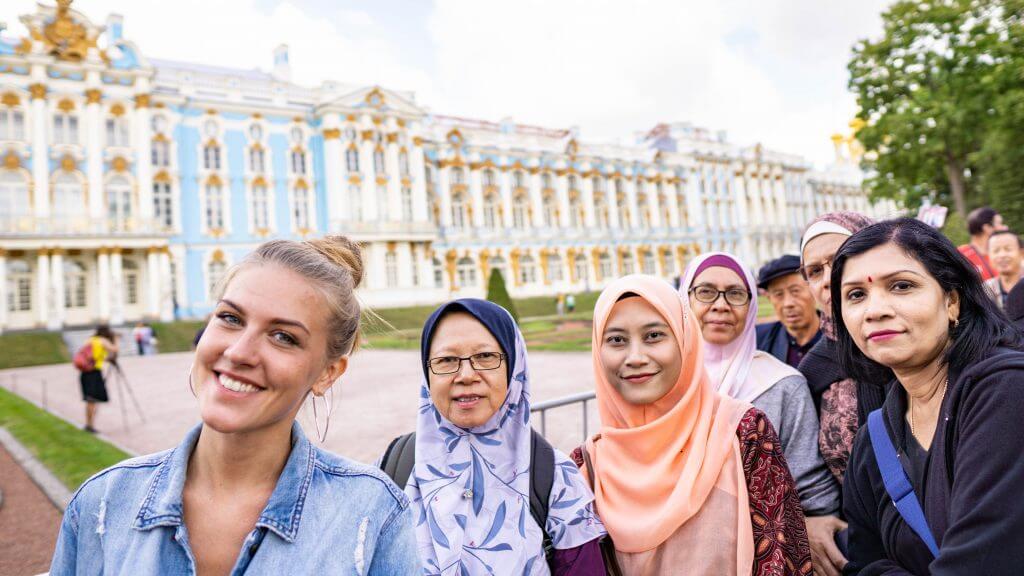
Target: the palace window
(550, 211)
(118, 134)
(598, 184)
(406, 204)
(12, 123)
(488, 178)
(628, 266)
(572, 183)
(158, 123)
(383, 206)
(684, 211)
(211, 156)
(299, 162)
(301, 209)
(648, 264)
(68, 198)
(352, 159)
(670, 265)
(163, 204)
(601, 211)
(255, 132)
(65, 129)
(527, 270)
(438, 273)
(545, 181)
(414, 268)
(458, 176)
(214, 206)
(378, 162)
(131, 282)
(465, 270)
(580, 263)
(119, 203)
(260, 207)
(350, 134)
(555, 273)
(160, 153)
(604, 264)
(19, 286)
(355, 202)
(257, 160)
(403, 163)
(13, 196)
(75, 285)
(520, 211)
(491, 211)
(215, 271)
(458, 211)
(391, 269)
(518, 179)
(575, 212)
(296, 136)
(498, 264)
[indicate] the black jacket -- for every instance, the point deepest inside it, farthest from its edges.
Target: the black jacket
(973, 492)
(773, 339)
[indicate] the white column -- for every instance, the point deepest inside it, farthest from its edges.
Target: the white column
(420, 202)
(781, 205)
(94, 152)
(505, 189)
(103, 283)
(334, 171)
(612, 201)
(143, 159)
(694, 209)
(745, 222)
(404, 261)
(476, 195)
(634, 211)
(654, 202)
(536, 199)
(588, 198)
(116, 288)
(671, 196)
(394, 178)
(562, 194)
(153, 282)
(445, 190)
(166, 288)
(43, 287)
(40, 150)
(3, 290)
(367, 167)
(57, 285)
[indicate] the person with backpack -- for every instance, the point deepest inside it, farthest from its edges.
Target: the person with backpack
(934, 480)
(490, 495)
(687, 480)
(90, 359)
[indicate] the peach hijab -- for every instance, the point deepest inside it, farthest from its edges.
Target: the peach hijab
(659, 466)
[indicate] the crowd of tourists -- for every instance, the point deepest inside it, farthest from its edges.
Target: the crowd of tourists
(874, 428)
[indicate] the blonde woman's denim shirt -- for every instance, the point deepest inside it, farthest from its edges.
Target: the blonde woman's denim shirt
(327, 515)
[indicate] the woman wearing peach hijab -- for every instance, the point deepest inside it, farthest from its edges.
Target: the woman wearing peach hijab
(686, 480)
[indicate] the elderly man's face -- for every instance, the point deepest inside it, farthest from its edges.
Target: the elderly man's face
(793, 302)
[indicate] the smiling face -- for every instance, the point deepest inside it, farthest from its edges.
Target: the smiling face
(469, 397)
(818, 253)
(896, 312)
(794, 305)
(263, 351)
(720, 322)
(1004, 252)
(639, 354)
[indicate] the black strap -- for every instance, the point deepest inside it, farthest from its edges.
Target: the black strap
(400, 457)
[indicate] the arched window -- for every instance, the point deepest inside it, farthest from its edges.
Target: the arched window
(491, 203)
(19, 286)
(12, 119)
(489, 179)
(458, 211)
(75, 284)
(211, 156)
(645, 213)
(598, 184)
(527, 270)
(438, 273)
(555, 272)
(518, 179)
(403, 163)
(14, 198)
(65, 129)
(465, 270)
(163, 201)
(520, 211)
(160, 153)
(572, 183)
(352, 159)
(580, 264)
(68, 197)
(391, 269)
(458, 176)
(648, 264)
(130, 269)
(299, 162)
(379, 166)
(300, 210)
(119, 203)
(669, 263)
(575, 211)
(215, 271)
(406, 204)
(214, 206)
(550, 210)
(601, 210)
(118, 133)
(604, 263)
(355, 202)
(257, 160)
(545, 181)
(260, 207)
(255, 132)
(628, 265)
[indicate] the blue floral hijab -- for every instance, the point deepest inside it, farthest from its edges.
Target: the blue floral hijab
(470, 487)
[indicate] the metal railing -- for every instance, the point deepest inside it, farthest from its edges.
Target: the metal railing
(580, 398)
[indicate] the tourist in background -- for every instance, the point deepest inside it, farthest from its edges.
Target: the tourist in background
(798, 327)
(843, 402)
(908, 308)
(686, 480)
(1005, 255)
(981, 223)
(94, 388)
(245, 491)
(1015, 305)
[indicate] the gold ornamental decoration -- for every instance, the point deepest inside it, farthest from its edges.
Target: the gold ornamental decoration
(37, 91)
(67, 163)
(10, 99)
(65, 38)
(119, 164)
(93, 96)
(332, 134)
(142, 100)
(12, 161)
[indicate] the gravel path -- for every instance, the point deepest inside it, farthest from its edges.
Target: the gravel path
(29, 522)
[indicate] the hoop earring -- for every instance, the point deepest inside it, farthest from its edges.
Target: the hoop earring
(316, 419)
(190, 386)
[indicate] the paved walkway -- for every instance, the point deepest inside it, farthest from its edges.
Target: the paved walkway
(374, 402)
(29, 522)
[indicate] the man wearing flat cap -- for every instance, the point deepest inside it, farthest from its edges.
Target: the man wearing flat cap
(798, 327)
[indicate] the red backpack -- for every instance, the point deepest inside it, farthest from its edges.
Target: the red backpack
(84, 360)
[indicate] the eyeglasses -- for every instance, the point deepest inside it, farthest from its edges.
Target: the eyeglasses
(451, 364)
(815, 272)
(709, 295)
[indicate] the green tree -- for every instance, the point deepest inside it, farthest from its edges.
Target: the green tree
(926, 91)
(497, 293)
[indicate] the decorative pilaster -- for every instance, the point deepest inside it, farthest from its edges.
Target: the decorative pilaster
(43, 289)
(153, 282)
(166, 286)
(40, 151)
(103, 283)
(505, 188)
(587, 184)
(366, 166)
(116, 287)
(420, 202)
(476, 196)
(94, 155)
(562, 191)
(143, 158)
(334, 170)
(445, 188)
(394, 180)
(57, 286)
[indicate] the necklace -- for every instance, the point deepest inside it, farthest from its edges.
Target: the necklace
(913, 432)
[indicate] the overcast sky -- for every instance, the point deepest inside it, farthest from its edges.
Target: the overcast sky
(771, 72)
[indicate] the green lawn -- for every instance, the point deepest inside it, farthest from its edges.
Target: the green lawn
(176, 336)
(73, 455)
(32, 349)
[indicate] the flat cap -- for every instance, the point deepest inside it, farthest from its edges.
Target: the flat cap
(786, 264)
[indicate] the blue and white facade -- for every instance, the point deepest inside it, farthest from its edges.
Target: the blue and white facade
(128, 185)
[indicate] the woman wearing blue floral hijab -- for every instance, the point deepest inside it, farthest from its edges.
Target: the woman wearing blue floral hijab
(471, 480)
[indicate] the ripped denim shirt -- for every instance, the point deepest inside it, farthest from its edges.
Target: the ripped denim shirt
(327, 515)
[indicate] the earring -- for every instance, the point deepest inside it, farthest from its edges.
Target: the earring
(316, 420)
(956, 323)
(190, 386)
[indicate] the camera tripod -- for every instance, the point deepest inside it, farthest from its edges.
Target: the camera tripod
(124, 388)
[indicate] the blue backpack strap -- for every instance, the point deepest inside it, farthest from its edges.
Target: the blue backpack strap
(896, 482)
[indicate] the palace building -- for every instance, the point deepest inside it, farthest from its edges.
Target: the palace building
(129, 185)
